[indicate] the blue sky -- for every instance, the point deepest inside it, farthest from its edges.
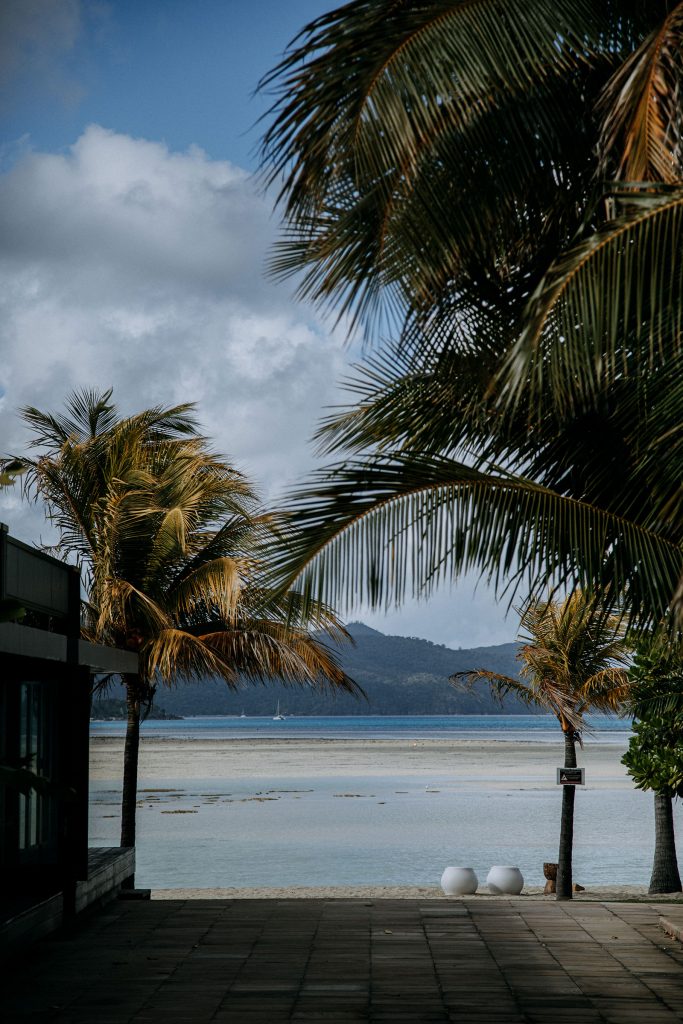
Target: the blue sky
(177, 71)
(134, 240)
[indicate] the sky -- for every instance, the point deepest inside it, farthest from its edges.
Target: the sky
(134, 239)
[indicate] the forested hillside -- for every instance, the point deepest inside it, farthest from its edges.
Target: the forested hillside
(400, 676)
(114, 709)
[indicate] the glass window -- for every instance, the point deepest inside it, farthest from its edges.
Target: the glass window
(37, 811)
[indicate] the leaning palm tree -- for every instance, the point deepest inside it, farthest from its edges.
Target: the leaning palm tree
(573, 661)
(164, 531)
(504, 184)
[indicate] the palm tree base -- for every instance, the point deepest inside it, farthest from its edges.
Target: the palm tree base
(665, 873)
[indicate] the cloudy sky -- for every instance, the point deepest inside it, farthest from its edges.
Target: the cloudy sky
(133, 241)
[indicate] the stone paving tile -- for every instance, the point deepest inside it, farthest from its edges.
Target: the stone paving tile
(507, 961)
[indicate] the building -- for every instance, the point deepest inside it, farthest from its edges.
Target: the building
(47, 873)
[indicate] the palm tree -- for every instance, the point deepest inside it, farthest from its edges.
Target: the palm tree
(504, 185)
(573, 661)
(654, 758)
(164, 531)
(440, 156)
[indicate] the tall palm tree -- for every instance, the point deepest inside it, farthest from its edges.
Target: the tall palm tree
(654, 758)
(573, 661)
(164, 531)
(504, 184)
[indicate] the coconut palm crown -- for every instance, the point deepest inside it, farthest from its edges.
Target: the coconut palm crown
(574, 659)
(164, 531)
(502, 185)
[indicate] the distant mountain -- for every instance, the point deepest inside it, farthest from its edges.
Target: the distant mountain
(400, 676)
(108, 709)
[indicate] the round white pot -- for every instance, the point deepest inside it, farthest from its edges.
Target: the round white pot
(459, 881)
(503, 878)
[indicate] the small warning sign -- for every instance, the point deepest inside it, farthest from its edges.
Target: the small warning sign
(571, 776)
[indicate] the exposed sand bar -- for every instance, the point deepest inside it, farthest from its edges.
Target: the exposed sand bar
(493, 762)
(267, 816)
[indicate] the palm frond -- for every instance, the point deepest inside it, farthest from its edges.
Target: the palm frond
(666, 704)
(262, 650)
(500, 685)
(87, 413)
(237, 538)
(608, 689)
(421, 144)
(541, 692)
(440, 405)
(212, 589)
(177, 656)
(370, 64)
(123, 608)
(642, 129)
(610, 307)
(373, 531)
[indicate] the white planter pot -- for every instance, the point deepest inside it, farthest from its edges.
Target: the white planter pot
(459, 881)
(504, 879)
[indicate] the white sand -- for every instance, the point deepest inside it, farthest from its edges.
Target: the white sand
(604, 893)
(494, 761)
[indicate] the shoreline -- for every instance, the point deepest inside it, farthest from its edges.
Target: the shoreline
(594, 894)
(496, 762)
(370, 819)
(159, 738)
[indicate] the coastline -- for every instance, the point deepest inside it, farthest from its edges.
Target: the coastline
(592, 894)
(360, 818)
(494, 761)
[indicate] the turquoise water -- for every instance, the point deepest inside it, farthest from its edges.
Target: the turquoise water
(515, 728)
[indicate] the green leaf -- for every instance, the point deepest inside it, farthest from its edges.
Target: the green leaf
(610, 307)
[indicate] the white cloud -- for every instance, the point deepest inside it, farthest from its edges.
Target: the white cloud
(125, 264)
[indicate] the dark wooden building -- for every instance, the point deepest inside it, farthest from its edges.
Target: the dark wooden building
(46, 870)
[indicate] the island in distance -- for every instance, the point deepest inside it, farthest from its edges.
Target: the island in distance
(400, 676)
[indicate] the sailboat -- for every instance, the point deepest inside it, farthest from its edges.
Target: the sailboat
(277, 717)
(243, 714)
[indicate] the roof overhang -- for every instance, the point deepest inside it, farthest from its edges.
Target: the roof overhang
(28, 642)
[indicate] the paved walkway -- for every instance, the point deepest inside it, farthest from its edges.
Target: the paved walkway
(342, 961)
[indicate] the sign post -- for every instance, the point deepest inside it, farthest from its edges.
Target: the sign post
(571, 776)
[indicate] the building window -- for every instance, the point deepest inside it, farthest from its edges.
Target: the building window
(37, 811)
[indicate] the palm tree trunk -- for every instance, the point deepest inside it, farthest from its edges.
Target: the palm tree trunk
(564, 859)
(665, 876)
(130, 761)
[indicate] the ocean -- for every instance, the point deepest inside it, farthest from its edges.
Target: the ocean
(247, 810)
(509, 728)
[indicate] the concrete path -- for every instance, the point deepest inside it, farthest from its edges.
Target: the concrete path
(341, 961)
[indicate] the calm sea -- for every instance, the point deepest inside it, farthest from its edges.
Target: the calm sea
(514, 728)
(345, 828)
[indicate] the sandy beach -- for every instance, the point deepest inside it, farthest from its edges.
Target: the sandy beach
(496, 762)
(601, 894)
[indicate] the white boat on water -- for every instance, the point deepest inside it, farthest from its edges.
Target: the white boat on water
(277, 717)
(243, 714)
